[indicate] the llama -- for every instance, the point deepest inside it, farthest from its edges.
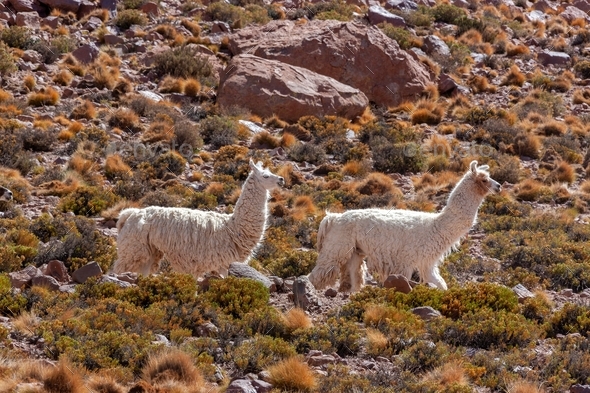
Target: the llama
(5, 194)
(398, 241)
(195, 241)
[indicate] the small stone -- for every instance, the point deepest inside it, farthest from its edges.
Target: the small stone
(129, 277)
(28, 19)
(264, 376)
(243, 270)
(68, 288)
(331, 292)
(114, 280)
(207, 329)
(398, 282)
(161, 339)
(382, 359)
(45, 281)
(580, 388)
(57, 270)
(23, 277)
(86, 53)
(320, 360)
(261, 386)
(426, 312)
(150, 8)
(304, 293)
(554, 58)
(240, 386)
(277, 281)
(368, 365)
(82, 274)
(568, 292)
(378, 14)
(522, 293)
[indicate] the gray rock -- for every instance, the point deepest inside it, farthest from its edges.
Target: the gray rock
(277, 281)
(264, 376)
(320, 360)
(378, 14)
(45, 281)
(161, 339)
(93, 23)
(57, 270)
(580, 388)
(572, 13)
(68, 288)
(434, 45)
(536, 16)
(261, 386)
(402, 5)
(522, 293)
(240, 386)
(114, 280)
(547, 57)
(23, 277)
(304, 293)
(207, 329)
(82, 274)
(28, 19)
(568, 292)
(426, 312)
(398, 282)
(86, 53)
(32, 56)
(243, 270)
(129, 277)
(331, 292)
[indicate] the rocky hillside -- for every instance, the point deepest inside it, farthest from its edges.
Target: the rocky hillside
(111, 104)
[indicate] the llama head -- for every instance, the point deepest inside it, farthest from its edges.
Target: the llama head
(268, 179)
(484, 183)
(5, 194)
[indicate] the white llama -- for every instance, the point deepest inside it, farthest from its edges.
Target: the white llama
(398, 241)
(5, 194)
(195, 241)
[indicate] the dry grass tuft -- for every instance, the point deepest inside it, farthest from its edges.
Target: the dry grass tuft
(303, 207)
(26, 323)
(47, 96)
(524, 387)
(428, 112)
(553, 127)
(376, 341)
(191, 26)
(292, 374)
(30, 82)
(64, 379)
(264, 140)
(192, 87)
(514, 77)
(448, 374)
(529, 190)
(288, 140)
(172, 365)
(112, 213)
(171, 84)
(516, 50)
(63, 77)
(296, 318)
(354, 168)
(376, 183)
(115, 166)
(105, 384)
(563, 173)
(481, 84)
(275, 122)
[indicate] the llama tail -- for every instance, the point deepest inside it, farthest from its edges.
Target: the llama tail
(123, 216)
(324, 228)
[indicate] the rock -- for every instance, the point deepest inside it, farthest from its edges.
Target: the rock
(522, 293)
(151, 95)
(426, 312)
(320, 360)
(261, 386)
(207, 329)
(572, 13)
(352, 53)
(277, 281)
(547, 57)
(331, 292)
(304, 293)
(129, 277)
(240, 386)
(401, 5)
(243, 270)
(68, 288)
(86, 53)
(32, 56)
(447, 85)
(434, 45)
(250, 125)
(568, 292)
(150, 8)
(161, 339)
(378, 14)
(398, 282)
(536, 16)
(82, 274)
(269, 87)
(580, 388)
(220, 27)
(264, 375)
(65, 5)
(57, 270)
(583, 5)
(543, 6)
(28, 6)
(23, 277)
(93, 23)
(45, 281)
(28, 19)
(86, 7)
(114, 280)
(205, 281)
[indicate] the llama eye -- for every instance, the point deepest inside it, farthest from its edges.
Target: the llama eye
(265, 176)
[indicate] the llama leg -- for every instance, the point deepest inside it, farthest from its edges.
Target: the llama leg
(352, 275)
(333, 256)
(131, 256)
(433, 276)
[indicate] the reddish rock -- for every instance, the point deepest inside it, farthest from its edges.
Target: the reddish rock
(28, 19)
(543, 6)
(320, 360)
(583, 5)
(572, 13)
(378, 14)
(27, 6)
(304, 293)
(23, 277)
(86, 7)
(399, 283)
(66, 5)
(269, 87)
(240, 386)
(45, 281)
(86, 53)
(554, 58)
(50, 21)
(110, 5)
(434, 45)
(577, 388)
(352, 53)
(111, 39)
(57, 270)
(82, 274)
(150, 8)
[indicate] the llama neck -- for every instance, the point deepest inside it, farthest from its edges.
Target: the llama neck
(459, 215)
(249, 218)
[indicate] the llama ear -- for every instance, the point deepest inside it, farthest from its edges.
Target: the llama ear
(484, 167)
(252, 165)
(260, 165)
(473, 166)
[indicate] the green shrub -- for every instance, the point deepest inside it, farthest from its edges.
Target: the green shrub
(307, 152)
(403, 37)
(219, 131)
(424, 355)
(536, 309)
(238, 17)
(398, 158)
(170, 161)
(183, 62)
(237, 296)
(132, 4)
(127, 18)
(294, 263)
(87, 201)
(572, 318)
(260, 352)
(181, 288)
(11, 304)
(38, 140)
(487, 329)
(583, 68)
(7, 64)
(335, 335)
(17, 37)
(325, 128)
(447, 13)
(337, 10)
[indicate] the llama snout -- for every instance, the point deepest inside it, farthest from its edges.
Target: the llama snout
(281, 181)
(495, 186)
(6, 194)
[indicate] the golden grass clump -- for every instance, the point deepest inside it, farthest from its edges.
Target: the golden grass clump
(63, 77)
(581, 96)
(376, 341)
(527, 145)
(529, 190)
(296, 318)
(292, 374)
(191, 26)
(264, 140)
(192, 87)
(64, 378)
(553, 127)
(563, 173)
(524, 387)
(80, 164)
(47, 96)
(354, 168)
(481, 84)
(516, 50)
(30, 82)
(288, 140)
(105, 384)
(126, 119)
(114, 166)
(275, 122)
(514, 77)
(449, 374)
(171, 84)
(303, 207)
(172, 365)
(376, 183)
(428, 112)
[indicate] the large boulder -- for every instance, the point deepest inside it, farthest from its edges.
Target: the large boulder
(352, 53)
(66, 5)
(269, 87)
(27, 6)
